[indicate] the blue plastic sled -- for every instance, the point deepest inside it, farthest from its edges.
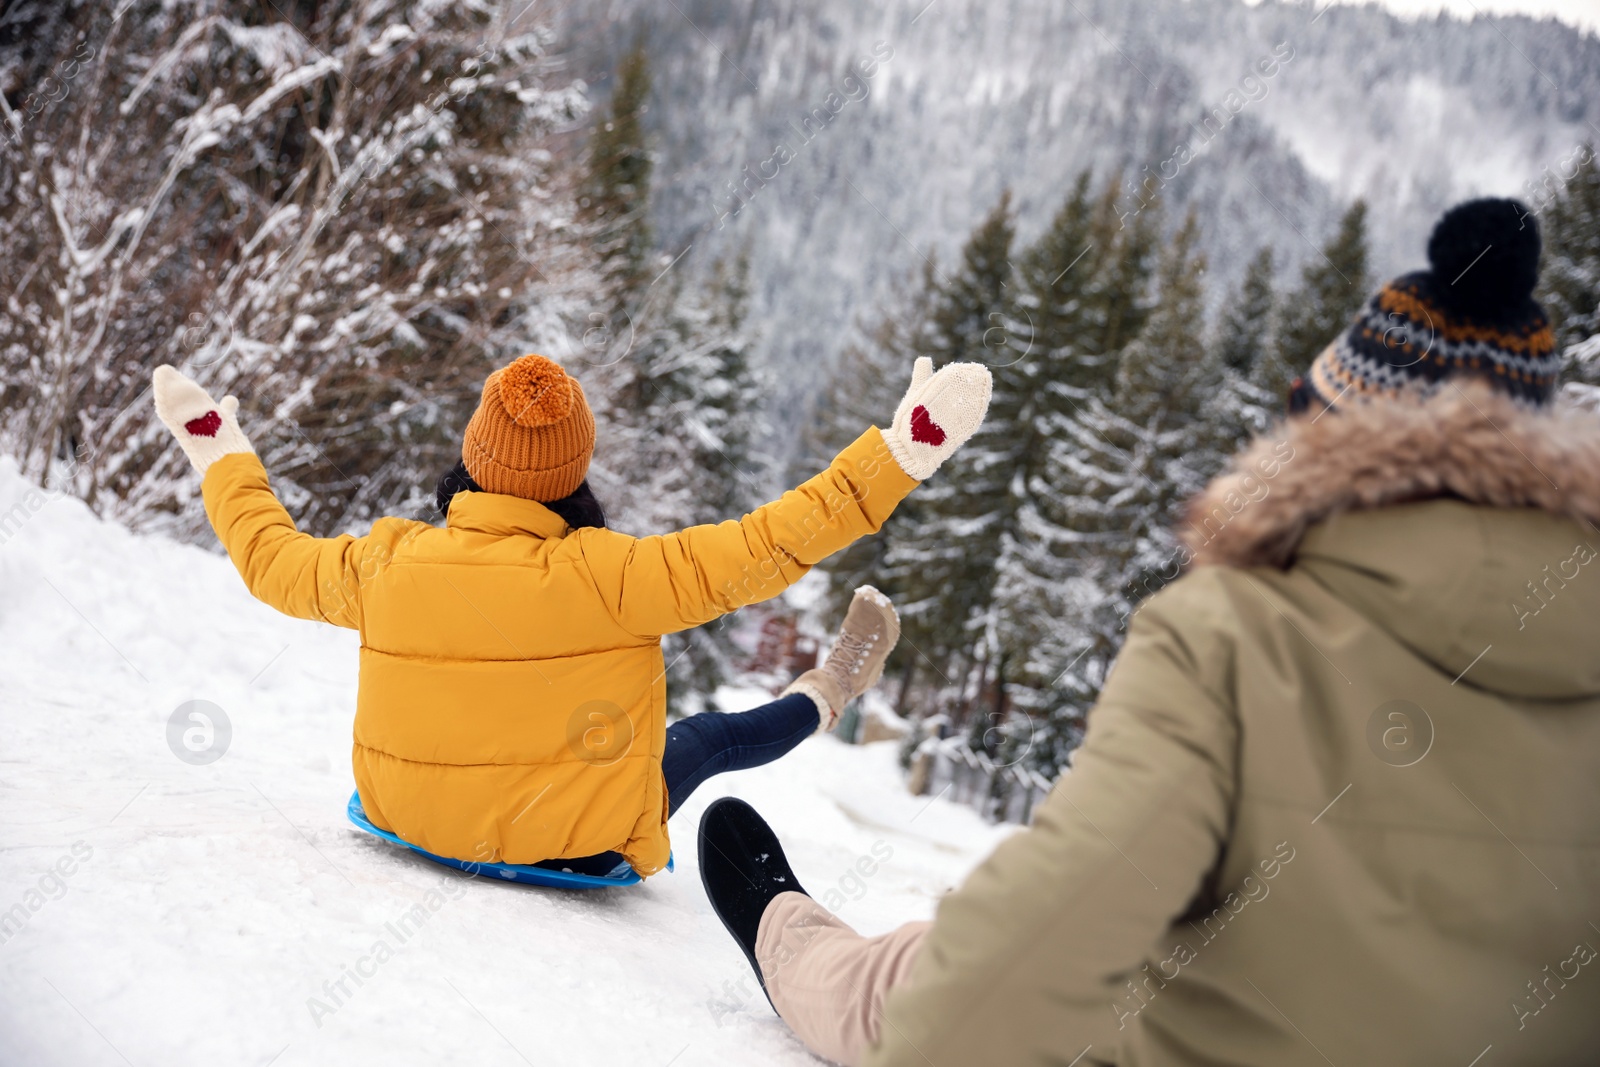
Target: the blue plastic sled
(511, 872)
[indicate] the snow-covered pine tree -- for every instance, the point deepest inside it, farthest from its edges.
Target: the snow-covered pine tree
(1254, 380)
(638, 381)
(1056, 299)
(1055, 274)
(1045, 595)
(614, 200)
(733, 454)
(630, 326)
(1054, 362)
(1245, 324)
(1118, 472)
(674, 447)
(943, 565)
(1333, 286)
(1569, 284)
(1165, 381)
(338, 215)
(1118, 292)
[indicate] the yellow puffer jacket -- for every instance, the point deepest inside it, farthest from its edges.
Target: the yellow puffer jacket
(512, 701)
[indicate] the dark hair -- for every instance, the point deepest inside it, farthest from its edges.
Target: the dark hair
(1302, 396)
(580, 509)
(455, 480)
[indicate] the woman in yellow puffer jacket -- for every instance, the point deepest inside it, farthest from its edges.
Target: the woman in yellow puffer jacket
(512, 700)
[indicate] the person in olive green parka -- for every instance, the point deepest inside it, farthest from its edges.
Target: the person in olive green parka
(1339, 800)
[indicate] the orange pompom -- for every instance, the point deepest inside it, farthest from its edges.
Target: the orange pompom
(535, 391)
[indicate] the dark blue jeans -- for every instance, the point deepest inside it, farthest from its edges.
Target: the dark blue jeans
(711, 743)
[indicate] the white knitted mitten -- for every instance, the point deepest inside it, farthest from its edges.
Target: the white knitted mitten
(206, 430)
(939, 412)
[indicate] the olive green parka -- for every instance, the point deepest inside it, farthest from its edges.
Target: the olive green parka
(1339, 801)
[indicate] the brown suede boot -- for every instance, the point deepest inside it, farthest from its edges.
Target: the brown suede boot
(855, 663)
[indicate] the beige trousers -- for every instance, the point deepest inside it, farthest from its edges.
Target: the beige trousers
(827, 981)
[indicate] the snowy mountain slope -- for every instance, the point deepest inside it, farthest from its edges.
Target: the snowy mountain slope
(157, 911)
(971, 96)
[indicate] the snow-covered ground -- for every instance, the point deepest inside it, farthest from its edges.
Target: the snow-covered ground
(156, 911)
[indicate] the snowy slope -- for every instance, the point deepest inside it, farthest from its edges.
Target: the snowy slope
(176, 914)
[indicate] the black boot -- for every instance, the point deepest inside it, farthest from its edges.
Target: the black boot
(742, 867)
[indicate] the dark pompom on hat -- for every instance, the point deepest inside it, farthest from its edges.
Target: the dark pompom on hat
(1486, 252)
(1472, 314)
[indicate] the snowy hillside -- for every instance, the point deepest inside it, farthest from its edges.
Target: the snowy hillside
(967, 97)
(158, 911)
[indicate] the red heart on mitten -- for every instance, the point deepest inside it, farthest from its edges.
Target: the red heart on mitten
(923, 429)
(208, 424)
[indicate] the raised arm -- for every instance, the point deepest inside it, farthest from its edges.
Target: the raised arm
(300, 575)
(659, 585)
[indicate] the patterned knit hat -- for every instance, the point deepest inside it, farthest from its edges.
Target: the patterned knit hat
(1473, 314)
(533, 432)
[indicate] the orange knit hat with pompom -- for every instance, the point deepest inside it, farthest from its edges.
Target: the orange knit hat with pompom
(533, 432)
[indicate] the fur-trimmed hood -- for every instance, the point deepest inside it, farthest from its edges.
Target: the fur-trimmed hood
(1463, 442)
(1463, 525)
